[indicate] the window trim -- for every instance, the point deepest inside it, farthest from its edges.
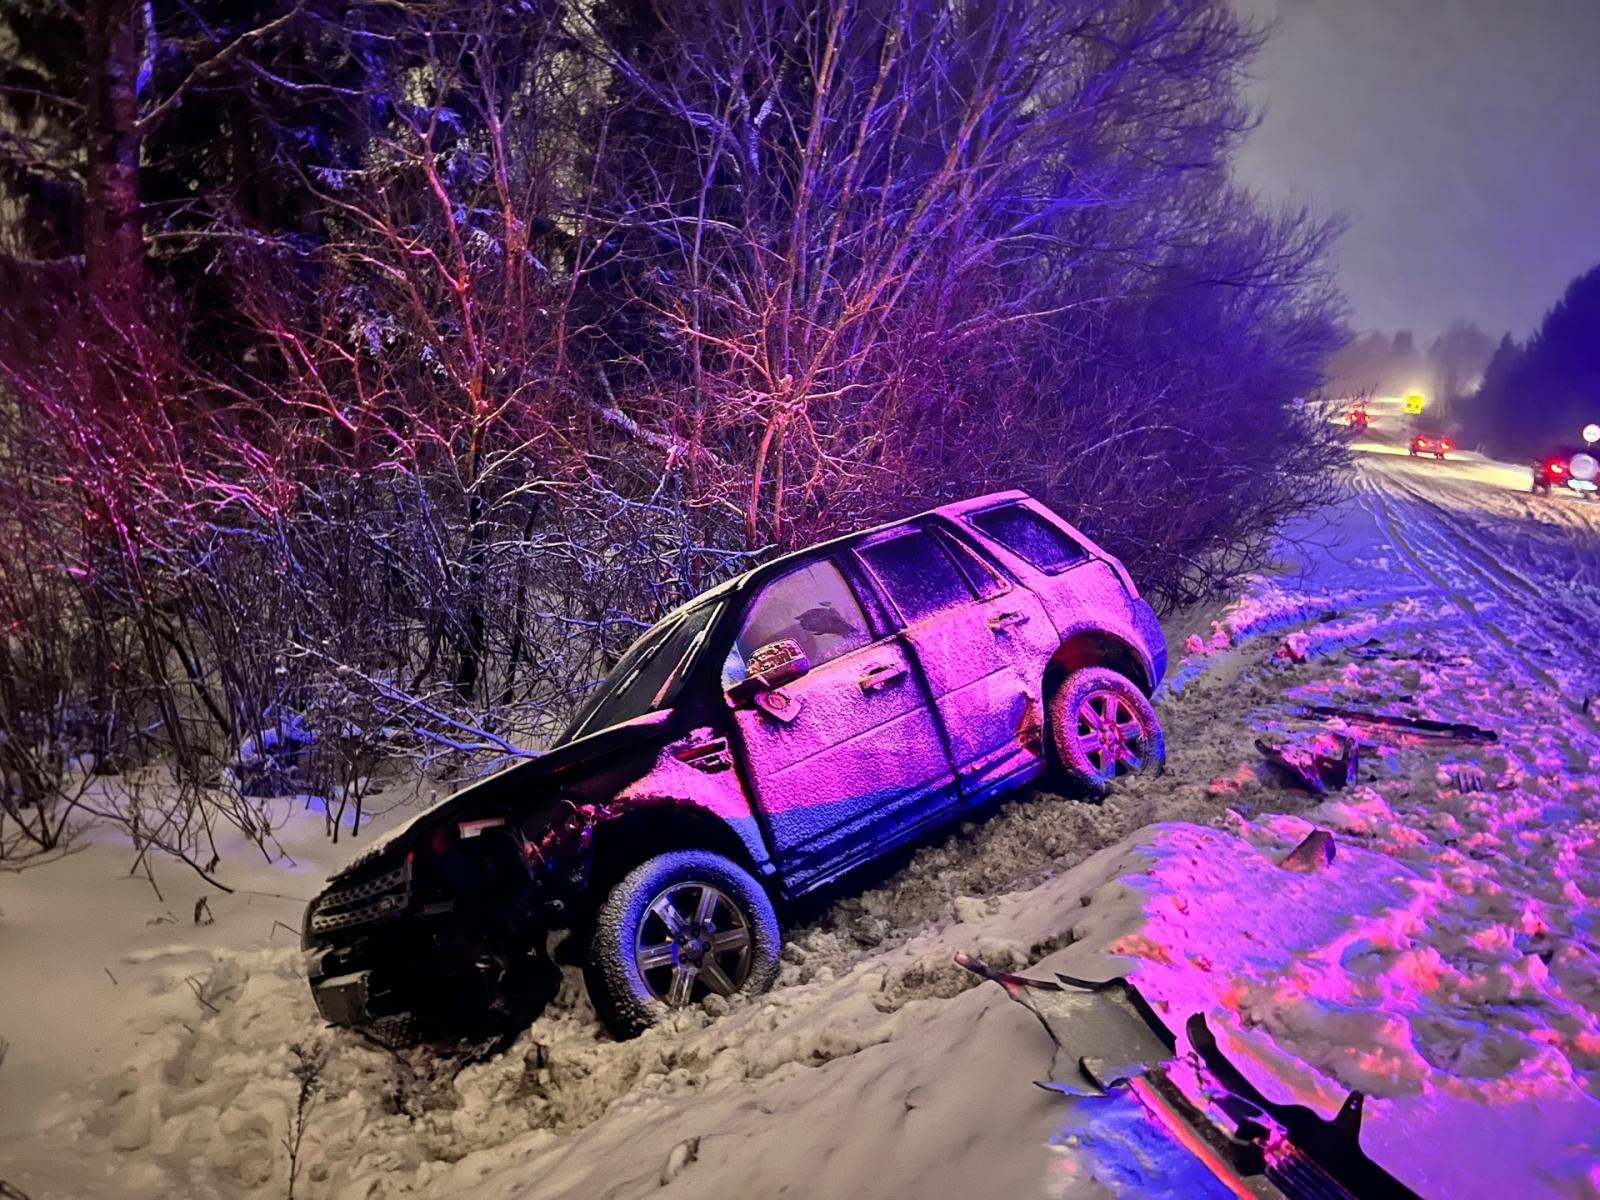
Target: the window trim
(969, 552)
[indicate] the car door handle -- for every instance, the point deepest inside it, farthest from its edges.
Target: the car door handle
(881, 675)
(709, 755)
(1006, 620)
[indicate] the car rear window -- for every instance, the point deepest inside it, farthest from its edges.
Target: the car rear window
(1036, 541)
(917, 574)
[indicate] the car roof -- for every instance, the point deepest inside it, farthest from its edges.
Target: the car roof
(757, 573)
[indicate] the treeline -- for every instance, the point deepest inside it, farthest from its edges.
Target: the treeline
(1539, 395)
(1449, 369)
(370, 372)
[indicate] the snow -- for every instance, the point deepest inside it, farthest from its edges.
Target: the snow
(1446, 961)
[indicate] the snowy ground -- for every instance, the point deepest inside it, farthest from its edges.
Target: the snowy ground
(1447, 962)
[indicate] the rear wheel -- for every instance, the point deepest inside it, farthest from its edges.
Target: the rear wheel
(1102, 727)
(677, 928)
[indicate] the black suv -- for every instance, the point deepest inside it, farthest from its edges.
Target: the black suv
(756, 744)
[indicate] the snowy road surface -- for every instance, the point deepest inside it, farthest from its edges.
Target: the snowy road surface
(1447, 962)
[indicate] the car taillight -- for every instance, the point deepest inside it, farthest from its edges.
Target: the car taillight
(1557, 468)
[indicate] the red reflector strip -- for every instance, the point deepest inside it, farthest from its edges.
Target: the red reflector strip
(699, 751)
(1189, 1139)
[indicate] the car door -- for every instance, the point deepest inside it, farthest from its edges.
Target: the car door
(842, 760)
(982, 645)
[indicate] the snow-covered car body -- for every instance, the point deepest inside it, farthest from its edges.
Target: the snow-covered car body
(913, 665)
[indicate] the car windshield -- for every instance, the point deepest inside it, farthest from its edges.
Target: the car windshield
(647, 677)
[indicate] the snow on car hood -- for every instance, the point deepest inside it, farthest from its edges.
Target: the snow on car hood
(488, 789)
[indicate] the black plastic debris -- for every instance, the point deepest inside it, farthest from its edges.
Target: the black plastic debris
(1373, 650)
(1104, 1033)
(1110, 1043)
(1448, 731)
(1314, 852)
(1322, 1158)
(1314, 770)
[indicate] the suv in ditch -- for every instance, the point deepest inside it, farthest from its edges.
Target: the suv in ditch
(756, 744)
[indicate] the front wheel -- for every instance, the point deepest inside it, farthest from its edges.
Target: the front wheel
(677, 928)
(1103, 727)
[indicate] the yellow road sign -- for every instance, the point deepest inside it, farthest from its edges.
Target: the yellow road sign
(1414, 402)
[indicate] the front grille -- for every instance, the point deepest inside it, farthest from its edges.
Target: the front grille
(362, 903)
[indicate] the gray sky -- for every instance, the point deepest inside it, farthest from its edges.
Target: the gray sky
(1461, 138)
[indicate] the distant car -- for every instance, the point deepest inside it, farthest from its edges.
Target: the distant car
(1566, 470)
(780, 730)
(1434, 444)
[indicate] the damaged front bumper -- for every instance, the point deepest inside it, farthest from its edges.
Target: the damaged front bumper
(341, 926)
(394, 948)
(345, 999)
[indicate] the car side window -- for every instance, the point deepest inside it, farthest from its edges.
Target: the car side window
(813, 605)
(919, 576)
(1036, 541)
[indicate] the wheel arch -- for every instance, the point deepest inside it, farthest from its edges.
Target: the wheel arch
(1096, 648)
(641, 833)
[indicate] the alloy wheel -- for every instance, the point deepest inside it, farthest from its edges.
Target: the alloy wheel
(693, 940)
(1109, 734)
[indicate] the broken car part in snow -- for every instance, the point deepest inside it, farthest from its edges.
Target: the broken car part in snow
(787, 727)
(1312, 768)
(1104, 1033)
(1447, 731)
(1109, 1040)
(1374, 650)
(1314, 852)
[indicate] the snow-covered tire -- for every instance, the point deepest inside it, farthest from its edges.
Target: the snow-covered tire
(1103, 727)
(646, 959)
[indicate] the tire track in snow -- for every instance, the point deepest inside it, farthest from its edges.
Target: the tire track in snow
(1461, 527)
(1412, 546)
(1454, 529)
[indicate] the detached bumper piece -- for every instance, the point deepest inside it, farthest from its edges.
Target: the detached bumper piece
(343, 1000)
(1194, 1121)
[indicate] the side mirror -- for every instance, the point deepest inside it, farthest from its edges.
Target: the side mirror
(771, 667)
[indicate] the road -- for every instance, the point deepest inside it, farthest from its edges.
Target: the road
(1524, 568)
